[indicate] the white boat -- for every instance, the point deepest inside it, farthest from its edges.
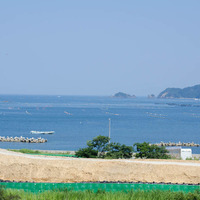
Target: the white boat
(42, 132)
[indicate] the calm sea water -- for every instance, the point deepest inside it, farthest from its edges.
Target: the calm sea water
(76, 119)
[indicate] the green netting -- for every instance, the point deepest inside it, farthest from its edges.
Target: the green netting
(41, 187)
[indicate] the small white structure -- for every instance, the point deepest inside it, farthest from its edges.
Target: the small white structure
(186, 153)
(178, 152)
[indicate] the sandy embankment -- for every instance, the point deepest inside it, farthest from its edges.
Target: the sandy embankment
(21, 167)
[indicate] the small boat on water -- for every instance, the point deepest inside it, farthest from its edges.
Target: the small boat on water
(42, 132)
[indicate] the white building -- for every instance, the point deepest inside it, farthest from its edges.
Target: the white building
(186, 153)
(178, 152)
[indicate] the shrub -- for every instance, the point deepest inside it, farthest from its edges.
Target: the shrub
(145, 150)
(87, 152)
(116, 150)
(5, 196)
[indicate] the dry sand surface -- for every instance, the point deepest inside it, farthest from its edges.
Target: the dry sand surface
(22, 167)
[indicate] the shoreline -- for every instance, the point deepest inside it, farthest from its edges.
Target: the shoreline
(194, 156)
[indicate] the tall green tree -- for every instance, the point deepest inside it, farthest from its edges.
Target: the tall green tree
(99, 143)
(116, 150)
(127, 151)
(145, 150)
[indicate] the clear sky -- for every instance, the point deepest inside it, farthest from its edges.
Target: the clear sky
(98, 47)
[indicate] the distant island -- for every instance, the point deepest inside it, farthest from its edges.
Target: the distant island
(151, 96)
(123, 95)
(188, 92)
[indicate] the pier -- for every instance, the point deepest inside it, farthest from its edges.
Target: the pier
(22, 139)
(179, 144)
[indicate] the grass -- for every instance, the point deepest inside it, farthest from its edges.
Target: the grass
(26, 151)
(192, 158)
(99, 195)
(37, 152)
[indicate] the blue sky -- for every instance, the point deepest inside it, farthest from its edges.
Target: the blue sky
(98, 47)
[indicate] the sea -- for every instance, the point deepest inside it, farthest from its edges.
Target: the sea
(77, 119)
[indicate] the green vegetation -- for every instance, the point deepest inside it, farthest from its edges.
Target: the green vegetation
(99, 195)
(99, 147)
(99, 144)
(192, 158)
(5, 195)
(36, 152)
(145, 150)
(116, 150)
(26, 151)
(189, 92)
(87, 152)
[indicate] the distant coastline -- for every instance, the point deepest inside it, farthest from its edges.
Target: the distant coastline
(185, 93)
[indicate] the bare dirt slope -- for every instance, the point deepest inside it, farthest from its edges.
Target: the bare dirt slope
(21, 167)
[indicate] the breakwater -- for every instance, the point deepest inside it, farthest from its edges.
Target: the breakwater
(178, 144)
(22, 139)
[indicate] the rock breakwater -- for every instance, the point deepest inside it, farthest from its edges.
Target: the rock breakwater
(179, 144)
(22, 139)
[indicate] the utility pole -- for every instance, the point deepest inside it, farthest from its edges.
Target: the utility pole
(109, 129)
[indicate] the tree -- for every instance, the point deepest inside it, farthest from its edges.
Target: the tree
(145, 150)
(100, 147)
(86, 153)
(116, 150)
(127, 151)
(95, 148)
(99, 143)
(113, 150)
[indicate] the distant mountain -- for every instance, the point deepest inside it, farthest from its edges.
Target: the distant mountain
(188, 92)
(123, 95)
